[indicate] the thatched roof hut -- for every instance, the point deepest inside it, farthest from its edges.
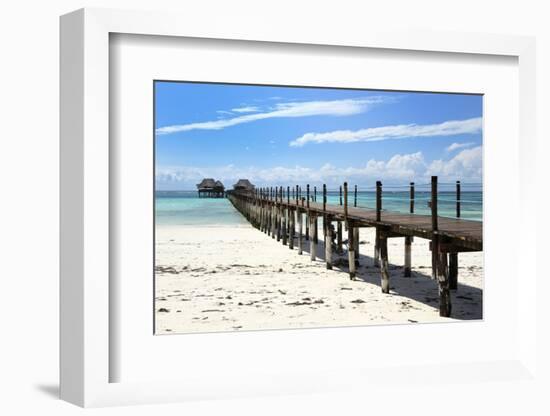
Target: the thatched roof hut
(243, 185)
(207, 183)
(211, 188)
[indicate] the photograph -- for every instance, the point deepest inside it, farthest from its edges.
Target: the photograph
(283, 207)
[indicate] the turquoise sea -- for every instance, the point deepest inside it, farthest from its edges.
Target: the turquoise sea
(185, 208)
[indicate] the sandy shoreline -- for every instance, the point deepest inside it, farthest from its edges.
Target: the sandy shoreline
(238, 278)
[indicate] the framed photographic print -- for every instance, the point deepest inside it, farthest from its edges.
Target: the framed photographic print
(238, 211)
(344, 178)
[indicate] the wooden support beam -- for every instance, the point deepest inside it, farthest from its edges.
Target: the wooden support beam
(291, 230)
(313, 239)
(278, 212)
(384, 264)
(351, 253)
(307, 212)
(284, 226)
(356, 244)
(376, 256)
(447, 247)
(378, 200)
(453, 271)
(407, 268)
(328, 243)
(435, 238)
(458, 199)
(300, 227)
(443, 281)
(339, 237)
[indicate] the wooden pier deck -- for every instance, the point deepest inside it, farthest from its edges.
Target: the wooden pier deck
(276, 213)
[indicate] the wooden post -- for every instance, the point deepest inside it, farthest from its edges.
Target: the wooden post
(339, 236)
(268, 208)
(346, 202)
(411, 198)
(408, 239)
(355, 196)
(299, 213)
(439, 259)
(284, 226)
(376, 259)
(356, 245)
(288, 211)
(435, 238)
(307, 212)
(314, 194)
(453, 257)
(274, 214)
(458, 199)
(378, 217)
(443, 280)
(324, 210)
(313, 240)
(407, 269)
(328, 243)
(385, 275)
(351, 252)
(453, 271)
(278, 212)
(291, 229)
(378, 200)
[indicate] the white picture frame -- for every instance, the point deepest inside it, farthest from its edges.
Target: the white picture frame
(85, 211)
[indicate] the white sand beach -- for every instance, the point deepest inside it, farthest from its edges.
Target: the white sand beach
(238, 278)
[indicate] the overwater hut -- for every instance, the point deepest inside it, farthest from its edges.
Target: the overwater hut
(243, 185)
(209, 188)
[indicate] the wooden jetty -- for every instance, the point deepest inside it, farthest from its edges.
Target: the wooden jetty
(286, 215)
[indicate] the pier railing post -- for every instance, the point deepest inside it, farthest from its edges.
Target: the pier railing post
(439, 258)
(346, 203)
(328, 243)
(435, 239)
(378, 200)
(307, 213)
(355, 197)
(453, 256)
(300, 227)
(313, 239)
(384, 264)
(458, 199)
(408, 239)
(378, 218)
(339, 228)
(351, 252)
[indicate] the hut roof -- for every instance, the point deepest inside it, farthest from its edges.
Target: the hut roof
(243, 183)
(218, 184)
(206, 183)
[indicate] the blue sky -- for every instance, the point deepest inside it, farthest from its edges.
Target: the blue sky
(288, 135)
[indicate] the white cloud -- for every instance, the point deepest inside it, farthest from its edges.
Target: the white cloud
(247, 109)
(284, 110)
(456, 146)
(398, 169)
(466, 165)
(402, 131)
